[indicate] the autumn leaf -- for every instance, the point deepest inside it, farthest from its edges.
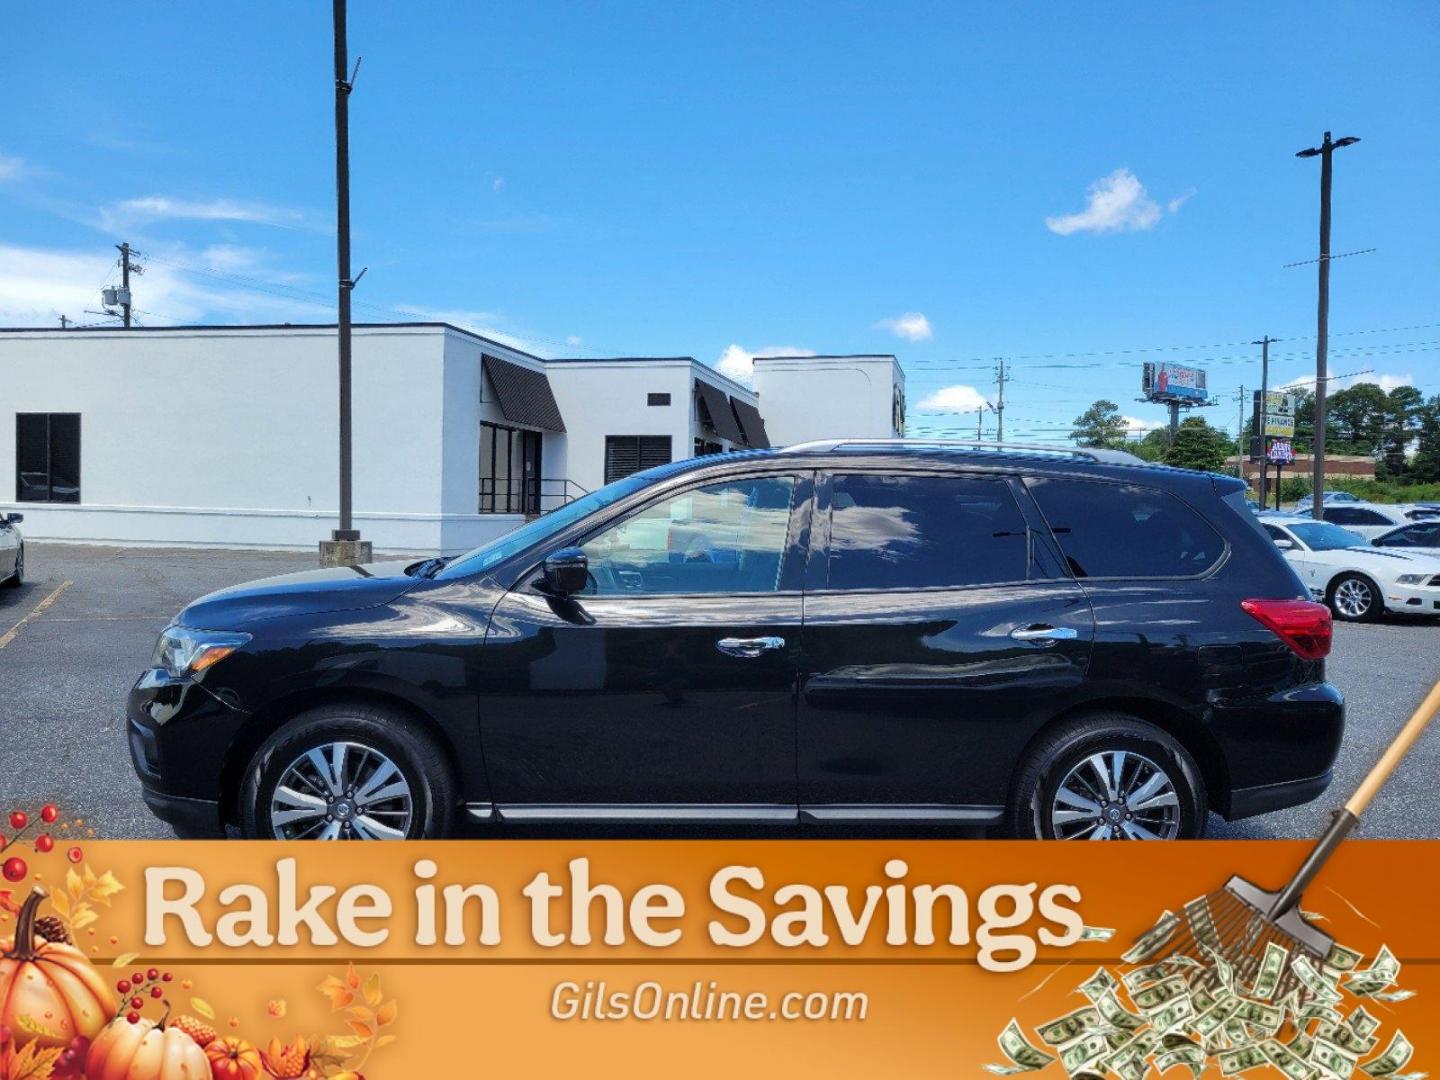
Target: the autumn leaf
(339, 994)
(384, 1040)
(203, 1007)
(84, 915)
(360, 1012)
(386, 1013)
(105, 887)
(344, 1042)
(124, 959)
(33, 1063)
(372, 989)
(352, 977)
(365, 1031)
(35, 1027)
(73, 884)
(60, 902)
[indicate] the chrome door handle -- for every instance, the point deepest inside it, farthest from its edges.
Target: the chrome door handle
(749, 647)
(1046, 635)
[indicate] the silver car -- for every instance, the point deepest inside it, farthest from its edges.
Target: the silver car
(12, 551)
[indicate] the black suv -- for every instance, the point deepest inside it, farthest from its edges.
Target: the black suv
(1039, 643)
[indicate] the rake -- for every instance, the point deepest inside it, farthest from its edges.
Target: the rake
(1240, 920)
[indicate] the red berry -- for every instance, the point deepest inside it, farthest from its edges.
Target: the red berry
(138, 978)
(75, 854)
(19, 819)
(44, 843)
(152, 974)
(49, 813)
(133, 1017)
(123, 986)
(15, 869)
(166, 977)
(137, 1003)
(156, 992)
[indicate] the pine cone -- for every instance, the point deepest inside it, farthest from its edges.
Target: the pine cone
(52, 929)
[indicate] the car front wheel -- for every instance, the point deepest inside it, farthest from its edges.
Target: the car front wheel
(17, 579)
(1354, 598)
(347, 772)
(1108, 776)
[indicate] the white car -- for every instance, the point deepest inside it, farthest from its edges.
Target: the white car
(12, 550)
(1307, 501)
(1420, 537)
(1372, 519)
(1357, 580)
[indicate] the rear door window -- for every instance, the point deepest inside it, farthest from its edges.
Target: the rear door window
(1414, 536)
(916, 532)
(1125, 530)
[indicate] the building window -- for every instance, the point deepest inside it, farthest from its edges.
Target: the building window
(47, 457)
(705, 446)
(509, 470)
(626, 454)
(657, 399)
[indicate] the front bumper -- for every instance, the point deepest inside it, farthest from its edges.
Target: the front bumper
(178, 734)
(1416, 599)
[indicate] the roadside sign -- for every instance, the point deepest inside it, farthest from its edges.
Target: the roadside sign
(1281, 452)
(1279, 414)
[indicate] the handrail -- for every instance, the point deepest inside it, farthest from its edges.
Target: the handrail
(1100, 455)
(518, 495)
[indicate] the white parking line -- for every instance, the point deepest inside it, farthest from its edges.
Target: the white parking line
(35, 612)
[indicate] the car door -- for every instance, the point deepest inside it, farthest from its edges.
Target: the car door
(667, 688)
(932, 634)
(1300, 557)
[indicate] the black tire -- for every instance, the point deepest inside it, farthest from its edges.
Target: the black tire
(15, 580)
(1048, 763)
(418, 758)
(1354, 584)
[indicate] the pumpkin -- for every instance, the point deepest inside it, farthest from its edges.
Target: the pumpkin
(49, 984)
(233, 1059)
(145, 1050)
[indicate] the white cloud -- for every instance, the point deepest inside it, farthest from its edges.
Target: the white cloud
(37, 285)
(12, 168)
(738, 362)
(953, 399)
(131, 212)
(912, 326)
(1180, 200)
(574, 339)
(1136, 426)
(1385, 381)
(1114, 203)
(1388, 382)
(483, 323)
(498, 184)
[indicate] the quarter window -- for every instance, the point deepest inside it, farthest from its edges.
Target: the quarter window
(724, 538)
(1124, 530)
(915, 532)
(47, 457)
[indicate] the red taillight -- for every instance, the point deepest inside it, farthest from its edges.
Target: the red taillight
(1301, 624)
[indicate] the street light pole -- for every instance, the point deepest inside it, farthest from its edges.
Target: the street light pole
(1264, 344)
(1325, 151)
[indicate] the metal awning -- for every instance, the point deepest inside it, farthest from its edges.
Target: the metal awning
(715, 410)
(751, 423)
(524, 394)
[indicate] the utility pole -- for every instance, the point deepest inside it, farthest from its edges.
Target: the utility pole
(1264, 343)
(1240, 437)
(980, 423)
(345, 548)
(125, 282)
(1000, 380)
(1325, 151)
(64, 323)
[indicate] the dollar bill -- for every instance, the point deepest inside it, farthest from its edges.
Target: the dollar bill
(1272, 966)
(1173, 1015)
(1083, 1052)
(1115, 1014)
(1153, 940)
(1383, 971)
(1361, 1022)
(1160, 994)
(1099, 984)
(1069, 1027)
(1142, 976)
(1023, 1057)
(1333, 1059)
(1096, 933)
(1223, 971)
(1396, 1056)
(1213, 1018)
(1242, 1059)
(1202, 923)
(1302, 1043)
(1391, 995)
(1342, 959)
(1347, 1038)
(1267, 1017)
(1191, 1056)
(1287, 1061)
(1318, 986)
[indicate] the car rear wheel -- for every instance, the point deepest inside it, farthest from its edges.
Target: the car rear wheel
(1354, 598)
(347, 772)
(17, 579)
(1108, 776)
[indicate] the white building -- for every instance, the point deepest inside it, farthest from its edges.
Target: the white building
(228, 436)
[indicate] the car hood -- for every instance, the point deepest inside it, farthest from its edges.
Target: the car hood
(309, 592)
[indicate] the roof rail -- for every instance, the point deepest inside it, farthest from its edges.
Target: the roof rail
(1100, 455)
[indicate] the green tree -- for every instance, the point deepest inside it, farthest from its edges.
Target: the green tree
(1402, 425)
(1153, 447)
(1199, 446)
(1425, 466)
(1356, 419)
(1100, 425)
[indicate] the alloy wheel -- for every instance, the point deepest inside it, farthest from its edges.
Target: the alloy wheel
(1353, 598)
(341, 791)
(1115, 795)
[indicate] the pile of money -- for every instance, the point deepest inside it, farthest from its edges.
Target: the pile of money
(1199, 1011)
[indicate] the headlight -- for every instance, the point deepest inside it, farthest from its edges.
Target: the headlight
(1412, 579)
(182, 651)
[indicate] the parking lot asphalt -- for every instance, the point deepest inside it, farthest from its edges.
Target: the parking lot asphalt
(88, 617)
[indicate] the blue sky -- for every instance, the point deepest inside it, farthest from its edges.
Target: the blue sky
(950, 182)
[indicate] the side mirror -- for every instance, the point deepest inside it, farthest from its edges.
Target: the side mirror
(566, 572)
(14, 519)
(1285, 545)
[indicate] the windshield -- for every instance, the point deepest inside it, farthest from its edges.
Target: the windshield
(501, 548)
(1322, 536)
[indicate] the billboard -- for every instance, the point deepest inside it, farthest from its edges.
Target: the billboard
(1278, 413)
(1164, 381)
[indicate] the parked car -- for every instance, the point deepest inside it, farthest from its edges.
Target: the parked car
(1305, 502)
(1371, 519)
(1046, 644)
(12, 551)
(1419, 537)
(1358, 581)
